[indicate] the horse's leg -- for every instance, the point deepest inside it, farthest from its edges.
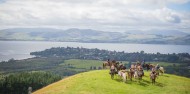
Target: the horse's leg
(158, 73)
(112, 76)
(124, 77)
(152, 81)
(141, 78)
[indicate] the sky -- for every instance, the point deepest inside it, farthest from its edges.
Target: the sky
(104, 15)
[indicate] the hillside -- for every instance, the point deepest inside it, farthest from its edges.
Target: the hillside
(89, 35)
(99, 82)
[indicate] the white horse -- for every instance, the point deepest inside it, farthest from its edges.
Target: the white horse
(161, 70)
(135, 74)
(122, 74)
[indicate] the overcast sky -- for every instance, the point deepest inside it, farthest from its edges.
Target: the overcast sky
(105, 15)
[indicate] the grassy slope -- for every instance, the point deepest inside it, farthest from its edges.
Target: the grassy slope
(99, 82)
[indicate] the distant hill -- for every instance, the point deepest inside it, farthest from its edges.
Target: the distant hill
(95, 36)
(99, 82)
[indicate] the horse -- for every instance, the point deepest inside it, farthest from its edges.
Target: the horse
(130, 73)
(138, 74)
(109, 63)
(153, 76)
(106, 64)
(160, 70)
(146, 66)
(122, 74)
(139, 67)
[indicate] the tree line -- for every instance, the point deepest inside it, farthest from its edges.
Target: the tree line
(97, 54)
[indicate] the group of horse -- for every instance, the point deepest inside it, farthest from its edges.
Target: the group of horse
(135, 71)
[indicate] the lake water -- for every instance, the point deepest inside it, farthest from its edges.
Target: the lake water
(21, 49)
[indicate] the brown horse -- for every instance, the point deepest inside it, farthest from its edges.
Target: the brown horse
(130, 73)
(148, 66)
(109, 63)
(138, 74)
(153, 76)
(106, 64)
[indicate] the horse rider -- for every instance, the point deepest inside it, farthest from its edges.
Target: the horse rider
(112, 68)
(123, 67)
(108, 62)
(140, 68)
(152, 72)
(143, 63)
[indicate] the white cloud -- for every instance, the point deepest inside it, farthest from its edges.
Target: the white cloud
(109, 15)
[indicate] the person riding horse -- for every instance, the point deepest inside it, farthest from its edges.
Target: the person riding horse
(107, 63)
(121, 67)
(112, 71)
(112, 68)
(153, 76)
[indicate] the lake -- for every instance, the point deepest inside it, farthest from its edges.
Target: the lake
(21, 49)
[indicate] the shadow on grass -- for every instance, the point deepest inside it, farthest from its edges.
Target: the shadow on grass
(121, 80)
(118, 80)
(159, 84)
(165, 75)
(142, 82)
(148, 82)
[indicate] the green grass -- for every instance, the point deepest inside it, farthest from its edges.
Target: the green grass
(85, 64)
(99, 82)
(81, 65)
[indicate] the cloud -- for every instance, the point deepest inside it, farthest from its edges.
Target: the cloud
(108, 15)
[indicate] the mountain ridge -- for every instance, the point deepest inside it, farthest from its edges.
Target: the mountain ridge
(95, 36)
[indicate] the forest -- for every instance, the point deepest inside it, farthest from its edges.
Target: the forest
(19, 83)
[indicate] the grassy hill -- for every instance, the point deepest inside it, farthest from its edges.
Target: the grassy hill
(99, 82)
